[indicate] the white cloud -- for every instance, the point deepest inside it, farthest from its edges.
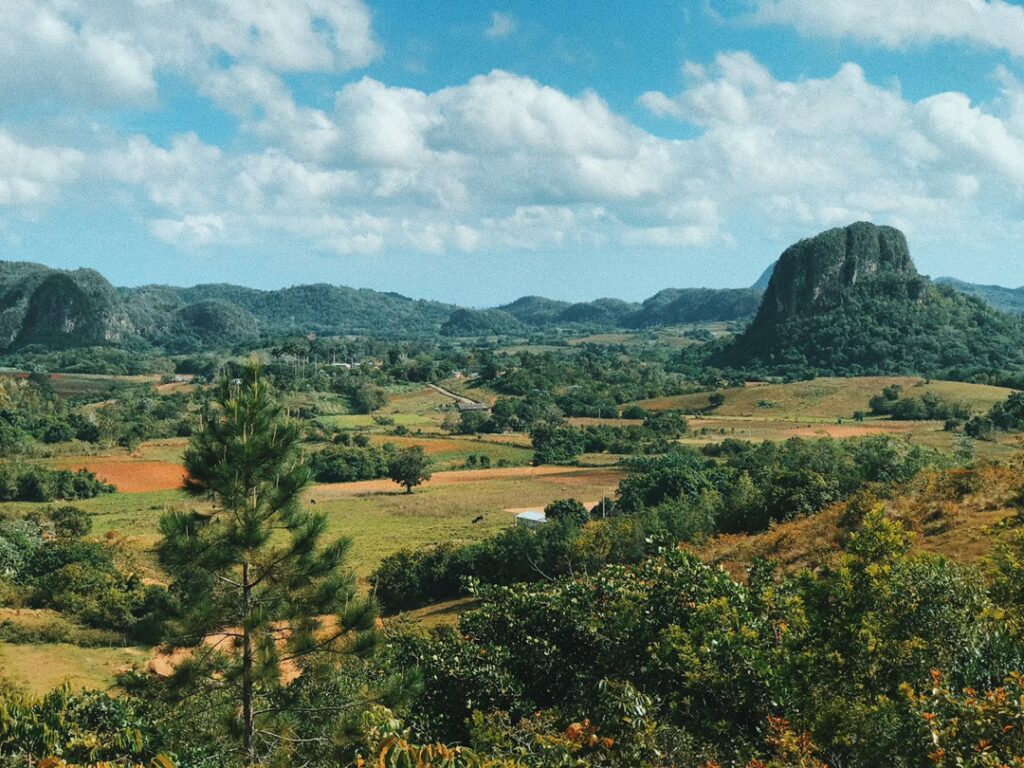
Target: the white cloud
(109, 51)
(34, 174)
(386, 126)
(189, 230)
(265, 106)
(503, 163)
(792, 157)
(502, 25)
(982, 137)
(988, 23)
(181, 178)
(47, 54)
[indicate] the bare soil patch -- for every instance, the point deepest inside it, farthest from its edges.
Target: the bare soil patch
(130, 475)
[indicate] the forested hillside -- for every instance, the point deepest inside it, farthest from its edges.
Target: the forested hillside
(54, 309)
(1005, 299)
(851, 302)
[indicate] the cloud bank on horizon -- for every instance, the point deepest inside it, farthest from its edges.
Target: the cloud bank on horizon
(272, 142)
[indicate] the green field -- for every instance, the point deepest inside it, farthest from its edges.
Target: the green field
(377, 514)
(41, 667)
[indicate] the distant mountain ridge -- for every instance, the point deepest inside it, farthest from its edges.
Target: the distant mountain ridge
(1005, 299)
(52, 308)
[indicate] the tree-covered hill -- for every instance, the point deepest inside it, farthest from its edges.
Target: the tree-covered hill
(57, 309)
(481, 322)
(694, 305)
(850, 301)
(671, 306)
(52, 308)
(1005, 299)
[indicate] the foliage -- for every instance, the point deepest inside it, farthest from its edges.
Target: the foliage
(569, 510)
(53, 567)
(927, 407)
(409, 467)
(84, 728)
(34, 483)
(254, 573)
(345, 464)
(1007, 416)
(891, 323)
(556, 443)
(972, 728)
(682, 496)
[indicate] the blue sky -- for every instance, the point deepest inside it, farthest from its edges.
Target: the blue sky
(475, 151)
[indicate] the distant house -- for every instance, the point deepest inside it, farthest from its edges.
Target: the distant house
(464, 406)
(531, 519)
(184, 378)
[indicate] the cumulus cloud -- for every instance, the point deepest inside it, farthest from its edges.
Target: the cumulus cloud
(502, 25)
(829, 150)
(47, 53)
(988, 23)
(192, 229)
(34, 174)
(110, 51)
(503, 162)
(982, 137)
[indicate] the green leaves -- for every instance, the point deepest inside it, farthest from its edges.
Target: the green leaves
(254, 582)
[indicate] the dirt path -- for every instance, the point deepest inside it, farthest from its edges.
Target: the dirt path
(454, 395)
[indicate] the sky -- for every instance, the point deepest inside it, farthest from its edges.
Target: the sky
(475, 152)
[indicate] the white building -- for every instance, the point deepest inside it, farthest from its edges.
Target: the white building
(531, 519)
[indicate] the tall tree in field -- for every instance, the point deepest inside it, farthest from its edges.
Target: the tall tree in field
(253, 579)
(409, 467)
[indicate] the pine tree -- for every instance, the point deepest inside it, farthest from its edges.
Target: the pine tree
(252, 580)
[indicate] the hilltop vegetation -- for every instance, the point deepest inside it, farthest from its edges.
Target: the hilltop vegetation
(48, 309)
(850, 302)
(1004, 299)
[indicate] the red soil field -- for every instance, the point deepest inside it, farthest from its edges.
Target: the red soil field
(132, 476)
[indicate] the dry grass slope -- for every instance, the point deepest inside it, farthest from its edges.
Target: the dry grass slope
(827, 398)
(954, 513)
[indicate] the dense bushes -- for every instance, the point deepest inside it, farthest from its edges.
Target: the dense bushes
(20, 482)
(50, 565)
(1007, 416)
(683, 496)
(556, 443)
(591, 383)
(83, 728)
(559, 443)
(30, 411)
(927, 407)
(870, 662)
(345, 464)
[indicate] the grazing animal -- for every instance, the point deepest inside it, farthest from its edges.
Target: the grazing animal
(478, 519)
(312, 501)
